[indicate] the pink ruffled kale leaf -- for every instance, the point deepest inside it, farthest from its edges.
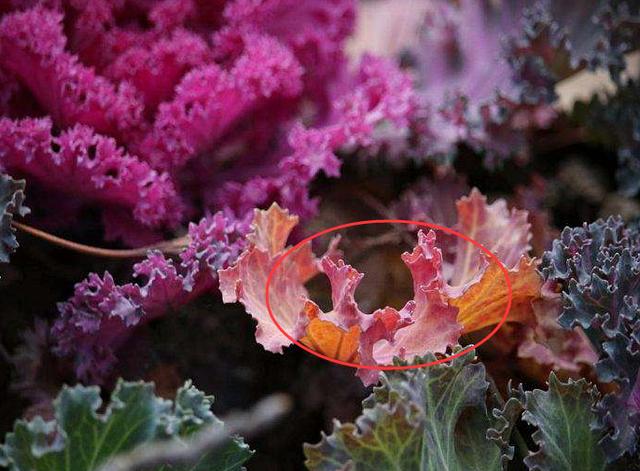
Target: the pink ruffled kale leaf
(466, 293)
(210, 100)
(434, 324)
(91, 168)
(378, 95)
(431, 323)
(33, 49)
(245, 281)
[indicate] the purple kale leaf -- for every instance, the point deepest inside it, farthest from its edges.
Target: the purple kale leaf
(101, 315)
(597, 269)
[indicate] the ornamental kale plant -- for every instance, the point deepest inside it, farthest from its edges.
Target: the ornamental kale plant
(80, 438)
(177, 179)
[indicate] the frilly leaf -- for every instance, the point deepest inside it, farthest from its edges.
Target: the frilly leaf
(563, 416)
(81, 438)
(432, 321)
(597, 269)
(422, 419)
(101, 314)
(484, 303)
(505, 421)
(245, 281)
(504, 232)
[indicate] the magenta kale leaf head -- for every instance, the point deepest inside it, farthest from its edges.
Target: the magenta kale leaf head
(155, 112)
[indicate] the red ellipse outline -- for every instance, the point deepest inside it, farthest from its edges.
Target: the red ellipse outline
(490, 254)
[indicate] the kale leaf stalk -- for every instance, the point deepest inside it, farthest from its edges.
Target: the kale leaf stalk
(170, 247)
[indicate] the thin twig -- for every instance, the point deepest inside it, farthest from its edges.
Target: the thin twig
(386, 238)
(169, 247)
(183, 453)
(373, 203)
(385, 212)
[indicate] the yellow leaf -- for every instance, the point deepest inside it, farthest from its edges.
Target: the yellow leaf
(328, 339)
(484, 303)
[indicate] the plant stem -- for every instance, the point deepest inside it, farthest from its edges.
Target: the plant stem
(169, 247)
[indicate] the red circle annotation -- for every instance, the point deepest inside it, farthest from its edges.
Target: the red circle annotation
(491, 255)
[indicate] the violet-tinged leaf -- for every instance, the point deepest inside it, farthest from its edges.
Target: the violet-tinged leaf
(597, 269)
(101, 315)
